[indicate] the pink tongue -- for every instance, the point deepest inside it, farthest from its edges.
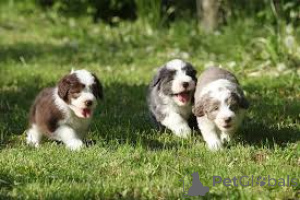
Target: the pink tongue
(183, 97)
(86, 113)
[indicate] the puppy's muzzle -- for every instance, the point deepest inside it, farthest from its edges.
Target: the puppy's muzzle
(88, 103)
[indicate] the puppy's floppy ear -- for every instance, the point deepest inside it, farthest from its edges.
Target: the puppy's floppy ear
(97, 88)
(64, 86)
(243, 102)
(159, 76)
(191, 71)
(198, 108)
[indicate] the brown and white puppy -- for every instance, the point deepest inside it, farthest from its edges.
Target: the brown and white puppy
(64, 112)
(220, 105)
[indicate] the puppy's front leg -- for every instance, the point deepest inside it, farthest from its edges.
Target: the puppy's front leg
(177, 124)
(225, 137)
(69, 137)
(209, 133)
(34, 136)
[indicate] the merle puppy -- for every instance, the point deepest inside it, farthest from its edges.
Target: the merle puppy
(64, 112)
(170, 97)
(220, 106)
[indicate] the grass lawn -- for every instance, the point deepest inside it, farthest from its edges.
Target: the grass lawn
(130, 160)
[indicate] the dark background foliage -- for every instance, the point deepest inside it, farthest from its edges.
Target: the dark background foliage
(112, 10)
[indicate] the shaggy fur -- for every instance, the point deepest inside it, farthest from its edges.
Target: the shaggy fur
(170, 97)
(64, 112)
(220, 105)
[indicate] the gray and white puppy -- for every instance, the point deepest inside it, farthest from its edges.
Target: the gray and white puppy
(220, 105)
(170, 97)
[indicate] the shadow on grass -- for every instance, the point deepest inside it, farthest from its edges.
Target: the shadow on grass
(263, 136)
(272, 119)
(77, 50)
(31, 51)
(6, 185)
(123, 117)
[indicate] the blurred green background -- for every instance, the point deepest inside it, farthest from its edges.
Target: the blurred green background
(266, 31)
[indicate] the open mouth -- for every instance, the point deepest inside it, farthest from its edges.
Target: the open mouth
(227, 126)
(82, 112)
(86, 112)
(183, 97)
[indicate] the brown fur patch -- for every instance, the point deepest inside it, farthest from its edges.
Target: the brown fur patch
(211, 107)
(68, 87)
(44, 113)
(206, 105)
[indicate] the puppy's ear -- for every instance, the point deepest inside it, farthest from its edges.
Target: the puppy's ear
(159, 76)
(191, 71)
(97, 88)
(243, 102)
(198, 109)
(64, 86)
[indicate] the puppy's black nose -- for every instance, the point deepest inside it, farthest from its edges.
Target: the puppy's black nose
(228, 119)
(185, 84)
(88, 103)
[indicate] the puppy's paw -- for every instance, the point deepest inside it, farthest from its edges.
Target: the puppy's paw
(214, 144)
(183, 132)
(32, 143)
(33, 138)
(225, 138)
(74, 144)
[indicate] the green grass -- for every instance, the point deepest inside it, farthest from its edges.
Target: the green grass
(130, 160)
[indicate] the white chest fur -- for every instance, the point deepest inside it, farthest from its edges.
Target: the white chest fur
(79, 125)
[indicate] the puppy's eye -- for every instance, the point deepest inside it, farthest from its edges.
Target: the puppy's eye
(76, 94)
(215, 108)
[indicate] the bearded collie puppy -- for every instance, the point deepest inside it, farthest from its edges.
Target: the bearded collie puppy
(220, 105)
(64, 112)
(170, 97)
